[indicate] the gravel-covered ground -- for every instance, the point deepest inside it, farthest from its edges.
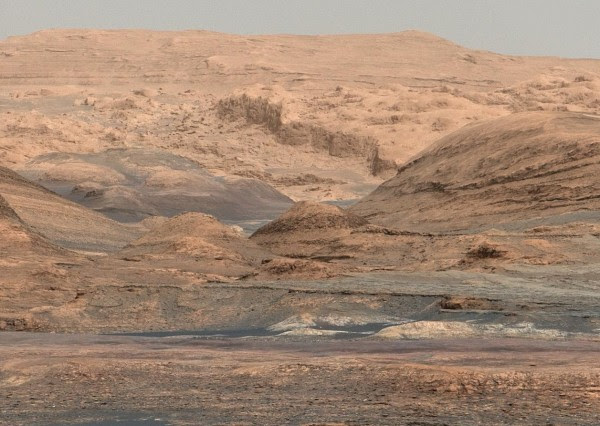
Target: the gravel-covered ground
(88, 379)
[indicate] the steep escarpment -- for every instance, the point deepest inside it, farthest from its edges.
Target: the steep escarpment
(336, 143)
(520, 170)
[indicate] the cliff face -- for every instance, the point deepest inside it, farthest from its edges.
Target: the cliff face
(297, 133)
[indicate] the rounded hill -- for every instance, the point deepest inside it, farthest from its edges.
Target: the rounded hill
(523, 169)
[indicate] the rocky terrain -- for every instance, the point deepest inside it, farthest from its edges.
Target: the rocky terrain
(379, 214)
(514, 172)
(319, 118)
(258, 382)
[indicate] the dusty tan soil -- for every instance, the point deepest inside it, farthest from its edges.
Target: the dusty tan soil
(79, 379)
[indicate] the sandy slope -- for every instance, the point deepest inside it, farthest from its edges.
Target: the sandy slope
(540, 168)
(64, 223)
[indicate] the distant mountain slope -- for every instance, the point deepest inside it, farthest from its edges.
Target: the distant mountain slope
(318, 117)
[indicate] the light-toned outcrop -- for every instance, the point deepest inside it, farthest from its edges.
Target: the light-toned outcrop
(348, 106)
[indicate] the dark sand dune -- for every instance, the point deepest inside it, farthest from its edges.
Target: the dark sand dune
(130, 184)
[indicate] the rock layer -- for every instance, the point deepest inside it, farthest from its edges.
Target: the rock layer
(531, 167)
